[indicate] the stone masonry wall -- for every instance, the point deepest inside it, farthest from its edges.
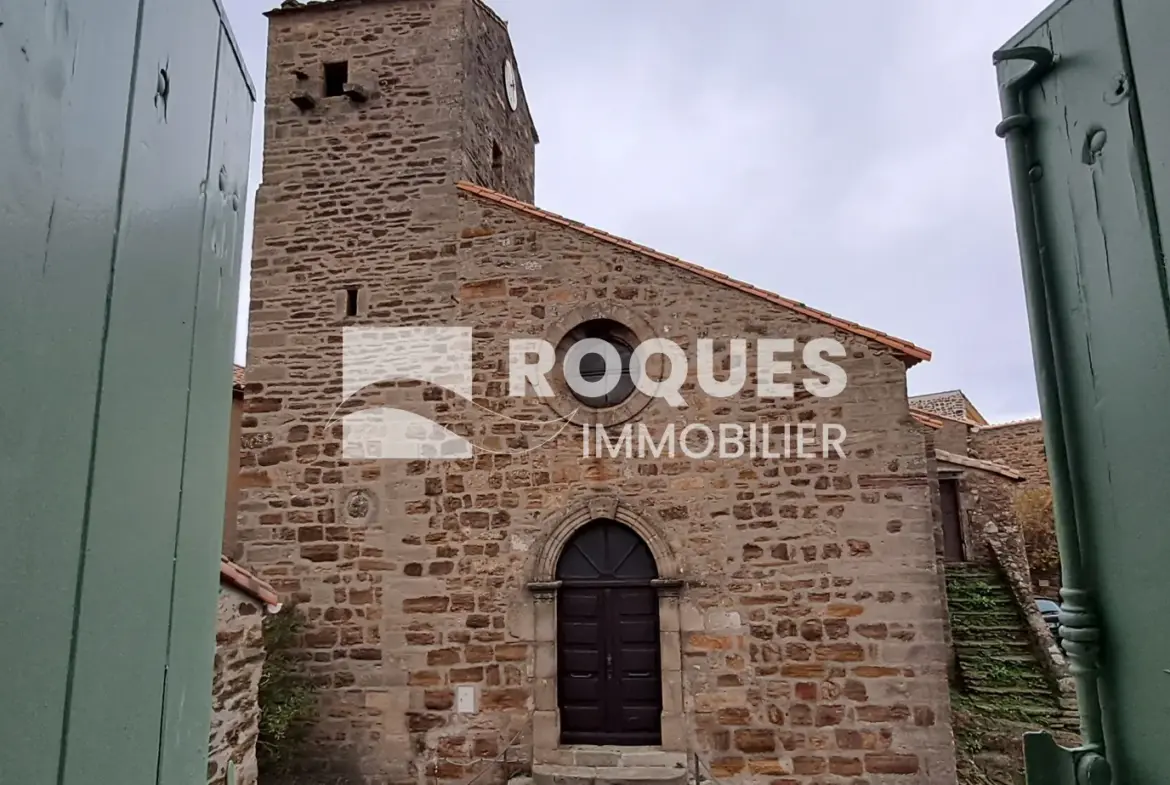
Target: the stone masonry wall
(952, 437)
(952, 404)
(1018, 445)
(812, 640)
(1021, 446)
(488, 121)
(239, 658)
(932, 473)
(986, 506)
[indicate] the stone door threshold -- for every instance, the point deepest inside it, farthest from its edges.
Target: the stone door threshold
(585, 764)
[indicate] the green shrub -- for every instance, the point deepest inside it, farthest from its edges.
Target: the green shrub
(288, 700)
(1038, 527)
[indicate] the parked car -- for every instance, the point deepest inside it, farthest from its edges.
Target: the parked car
(1050, 612)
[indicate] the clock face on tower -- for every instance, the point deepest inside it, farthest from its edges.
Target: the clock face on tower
(510, 84)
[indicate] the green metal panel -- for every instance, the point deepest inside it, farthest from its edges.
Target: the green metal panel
(192, 643)
(62, 128)
(122, 178)
(1147, 25)
(122, 632)
(1105, 370)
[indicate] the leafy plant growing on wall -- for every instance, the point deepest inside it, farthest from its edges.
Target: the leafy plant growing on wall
(1037, 524)
(288, 700)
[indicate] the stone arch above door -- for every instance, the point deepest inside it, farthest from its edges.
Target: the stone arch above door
(560, 527)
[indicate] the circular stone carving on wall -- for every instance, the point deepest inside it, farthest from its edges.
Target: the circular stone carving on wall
(623, 330)
(358, 505)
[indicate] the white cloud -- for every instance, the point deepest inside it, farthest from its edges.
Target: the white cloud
(841, 153)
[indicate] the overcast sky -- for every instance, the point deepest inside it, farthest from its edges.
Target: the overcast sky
(839, 152)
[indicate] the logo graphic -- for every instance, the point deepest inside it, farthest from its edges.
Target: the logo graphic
(375, 355)
(442, 357)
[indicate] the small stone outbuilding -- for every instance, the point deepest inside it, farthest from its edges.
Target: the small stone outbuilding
(239, 660)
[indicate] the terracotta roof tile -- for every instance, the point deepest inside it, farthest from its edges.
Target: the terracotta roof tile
(238, 377)
(910, 353)
(230, 572)
(926, 419)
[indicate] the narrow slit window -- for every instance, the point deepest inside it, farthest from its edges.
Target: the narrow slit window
(336, 75)
(497, 164)
(351, 301)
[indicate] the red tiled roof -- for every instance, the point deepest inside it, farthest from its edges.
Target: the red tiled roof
(238, 377)
(926, 419)
(910, 353)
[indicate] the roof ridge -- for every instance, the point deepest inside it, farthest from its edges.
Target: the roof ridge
(939, 393)
(911, 353)
(939, 415)
(978, 463)
(1007, 423)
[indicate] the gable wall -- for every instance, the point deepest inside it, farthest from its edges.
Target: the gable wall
(810, 634)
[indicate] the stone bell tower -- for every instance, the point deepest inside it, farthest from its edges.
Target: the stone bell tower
(374, 110)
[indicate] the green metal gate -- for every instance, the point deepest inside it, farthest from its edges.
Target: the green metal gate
(124, 141)
(1086, 103)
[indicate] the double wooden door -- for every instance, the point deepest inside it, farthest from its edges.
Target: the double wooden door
(609, 685)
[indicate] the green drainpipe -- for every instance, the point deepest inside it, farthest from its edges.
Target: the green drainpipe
(1046, 762)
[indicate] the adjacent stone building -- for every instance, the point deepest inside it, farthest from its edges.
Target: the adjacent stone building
(1003, 649)
(952, 404)
(239, 661)
(541, 605)
(983, 470)
(243, 602)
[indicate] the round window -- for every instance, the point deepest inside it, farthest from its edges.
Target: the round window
(596, 358)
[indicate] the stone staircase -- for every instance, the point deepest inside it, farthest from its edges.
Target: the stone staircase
(996, 669)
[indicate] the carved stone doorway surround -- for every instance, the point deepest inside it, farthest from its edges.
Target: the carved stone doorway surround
(547, 727)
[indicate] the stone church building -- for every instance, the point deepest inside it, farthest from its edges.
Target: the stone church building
(537, 608)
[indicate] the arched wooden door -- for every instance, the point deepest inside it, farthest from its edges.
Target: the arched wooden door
(609, 677)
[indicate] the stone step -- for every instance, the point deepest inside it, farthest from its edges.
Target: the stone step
(552, 774)
(975, 581)
(963, 567)
(1001, 621)
(997, 605)
(974, 584)
(994, 647)
(1019, 659)
(1017, 679)
(1032, 694)
(995, 631)
(1036, 712)
(991, 646)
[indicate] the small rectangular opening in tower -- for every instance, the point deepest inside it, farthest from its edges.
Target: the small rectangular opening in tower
(351, 301)
(497, 164)
(336, 75)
